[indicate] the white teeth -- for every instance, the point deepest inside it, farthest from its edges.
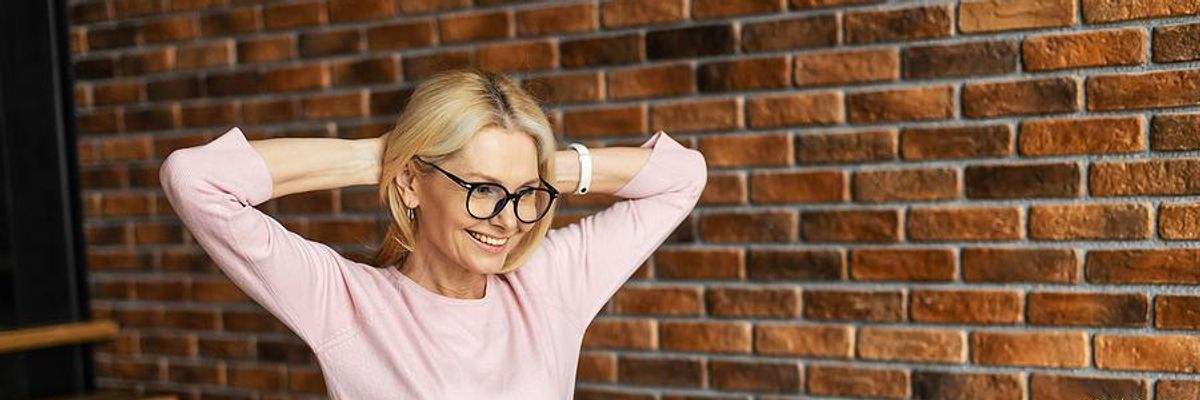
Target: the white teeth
(488, 239)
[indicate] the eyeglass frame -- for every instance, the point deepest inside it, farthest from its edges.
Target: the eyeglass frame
(508, 196)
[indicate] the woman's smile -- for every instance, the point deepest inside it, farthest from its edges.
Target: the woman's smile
(487, 243)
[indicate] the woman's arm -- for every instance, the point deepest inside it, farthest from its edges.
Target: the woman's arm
(300, 165)
(612, 168)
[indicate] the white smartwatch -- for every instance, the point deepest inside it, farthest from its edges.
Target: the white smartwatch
(585, 167)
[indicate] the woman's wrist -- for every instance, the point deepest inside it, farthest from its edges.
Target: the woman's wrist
(566, 174)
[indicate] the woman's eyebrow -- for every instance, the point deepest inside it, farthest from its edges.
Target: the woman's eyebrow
(494, 180)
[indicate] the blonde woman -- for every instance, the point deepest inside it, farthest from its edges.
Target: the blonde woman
(470, 295)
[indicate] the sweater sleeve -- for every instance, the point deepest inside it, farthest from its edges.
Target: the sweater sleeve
(589, 260)
(213, 189)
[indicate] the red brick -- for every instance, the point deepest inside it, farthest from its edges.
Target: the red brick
(706, 336)
(1175, 132)
(1016, 265)
(798, 187)
(967, 306)
(858, 382)
(964, 223)
(425, 6)
(691, 42)
(745, 74)
(293, 15)
(1031, 349)
(850, 226)
(926, 103)
(830, 305)
(266, 49)
(765, 302)
(758, 376)
(823, 108)
(789, 34)
(256, 377)
(804, 340)
(850, 147)
(1144, 90)
(1179, 221)
(738, 227)
(806, 4)
(1012, 181)
(905, 185)
(1088, 309)
(170, 29)
(1043, 386)
(1177, 312)
(613, 121)
(160, 60)
(597, 367)
(917, 345)
(524, 56)
(992, 15)
(552, 20)
(660, 371)
(706, 9)
(602, 50)
(803, 265)
(1177, 390)
(724, 189)
(400, 36)
(1082, 136)
(1090, 222)
(296, 78)
(961, 59)
(902, 264)
(624, 13)
(1176, 43)
(365, 71)
(221, 84)
(1096, 11)
(240, 20)
(872, 65)
(1148, 266)
(1037, 96)
(747, 150)
(335, 106)
(898, 24)
(658, 300)
(967, 386)
(652, 81)
(359, 10)
(1175, 353)
(119, 92)
(418, 68)
(328, 43)
(1087, 49)
(638, 334)
(205, 55)
(696, 115)
(1151, 177)
(707, 263)
(571, 88)
(474, 27)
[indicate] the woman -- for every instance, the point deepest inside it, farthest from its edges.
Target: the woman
(467, 297)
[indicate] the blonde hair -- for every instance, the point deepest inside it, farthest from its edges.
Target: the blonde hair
(442, 115)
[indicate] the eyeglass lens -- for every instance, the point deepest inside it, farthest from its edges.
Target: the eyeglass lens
(484, 202)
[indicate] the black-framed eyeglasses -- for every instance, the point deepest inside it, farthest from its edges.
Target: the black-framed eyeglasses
(486, 199)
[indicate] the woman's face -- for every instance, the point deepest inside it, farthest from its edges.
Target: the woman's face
(445, 227)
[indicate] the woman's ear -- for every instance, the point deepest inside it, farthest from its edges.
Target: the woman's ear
(406, 182)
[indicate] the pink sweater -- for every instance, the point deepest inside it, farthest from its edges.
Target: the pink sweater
(379, 335)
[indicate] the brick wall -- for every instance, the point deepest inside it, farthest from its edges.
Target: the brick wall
(908, 199)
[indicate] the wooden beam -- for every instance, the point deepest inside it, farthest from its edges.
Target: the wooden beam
(15, 340)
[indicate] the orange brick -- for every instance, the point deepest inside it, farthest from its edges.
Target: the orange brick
(873, 65)
(1082, 136)
(967, 306)
(641, 334)
(906, 185)
(796, 109)
(964, 223)
(706, 336)
(1090, 222)
(1036, 349)
(1087, 49)
(1175, 353)
(798, 187)
(993, 15)
(918, 345)
(804, 340)
(902, 264)
(858, 382)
